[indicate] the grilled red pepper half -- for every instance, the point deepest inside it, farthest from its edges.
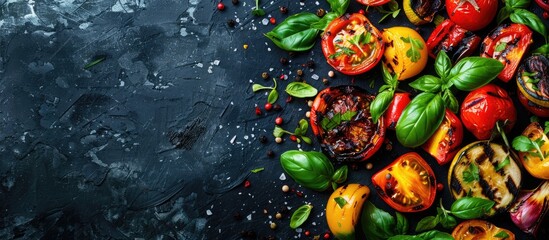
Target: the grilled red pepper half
(456, 41)
(393, 112)
(507, 44)
(444, 143)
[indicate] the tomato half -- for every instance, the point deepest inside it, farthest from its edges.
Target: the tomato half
(408, 184)
(532, 162)
(351, 44)
(340, 118)
(507, 44)
(480, 229)
(456, 41)
(405, 52)
(533, 85)
(445, 141)
(397, 105)
(373, 3)
(472, 14)
(483, 107)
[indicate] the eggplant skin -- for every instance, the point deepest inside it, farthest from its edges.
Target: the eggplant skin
(494, 177)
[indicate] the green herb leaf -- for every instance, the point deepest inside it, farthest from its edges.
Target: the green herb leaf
(471, 73)
(257, 170)
(471, 174)
(306, 139)
(301, 90)
(312, 170)
(450, 101)
(415, 46)
(341, 202)
(300, 215)
(471, 207)
(295, 33)
(514, 4)
(401, 224)
(427, 83)
(324, 21)
(303, 126)
(525, 144)
(427, 223)
(420, 119)
(339, 6)
(376, 223)
(380, 104)
(503, 163)
(273, 96)
(257, 11)
(340, 175)
(430, 235)
(503, 14)
(330, 123)
(502, 234)
(393, 11)
(546, 127)
(446, 220)
(278, 132)
(97, 60)
(543, 50)
(531, 20)
(443, 64)
(500, 47)
(256, 87)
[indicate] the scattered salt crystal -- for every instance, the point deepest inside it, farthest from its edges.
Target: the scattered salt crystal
(265, 21)
(246, 137)
(282, 176)
(216, 62)
(232, 139)
(317, 3)
(315, 77)
(268, 49)
(209, 212)
(249, 217)
(199, 65)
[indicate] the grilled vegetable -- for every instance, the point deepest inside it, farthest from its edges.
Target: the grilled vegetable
(343, 209)
(480, 229)
(421, 11)
(487, 170)
(405, 52)
(533, 85)
(533, 147)
(451, 38)
(530, 208)
(446, 140)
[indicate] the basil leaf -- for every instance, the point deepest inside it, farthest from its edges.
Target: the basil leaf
(471, 207)
(278, 132)
(312, 170)
(306, 139)
(514, 4)
(427, 223)
(256, 87)
(450, 101)
(401, 224)
(529, 19)
(273, 96)
(303, 126)
(324, 21)
(420, 119)
(443, 64)
(380, 104)
(471, 73)
(300, 215)
(448, 222)
(301, 90)
(502, 234)
(543, 50)
(503, 14)
(295, 33)
(341, 202)
(390, 80)
(427, 83)
(435, 235)
(376, 223)
(340, 174)
(339, 6)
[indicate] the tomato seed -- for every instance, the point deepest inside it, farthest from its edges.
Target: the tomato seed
(258, 111)
(220, 6)
(247, 184)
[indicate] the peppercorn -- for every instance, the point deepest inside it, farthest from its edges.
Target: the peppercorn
(293, 138)
(440, 187)
(308, 114)
(283, 60)
(272, 20)
(247, 184)
(320, 12)
(270, 153)
(265, 75)
(299, 72)
(325, 81)
(326, 235)
(283, 9)
(289, 99)
(278, 139)
(310, 64)
(278, 215)
(298, 79)
(257, 111)
(220, 6)
(310, 103)
(285, 188)
(231, 23)
(277, 107)
(237, 216)
(268, 106)
(263, 139)
(307, 233)
(235, 2)
(331, 74)
(265, 211)
(291, 54)
(273, 225)
(279, 121)
(361, 11)
(369, 166)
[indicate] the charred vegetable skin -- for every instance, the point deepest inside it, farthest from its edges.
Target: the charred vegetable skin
(480, 229)
(456, 41)
(343, 209)
(445, 141)
(351, 44)
(340, 118)
(487, 170)
(533, 85)
(534, 161)
(507, 44)
(529, 210)
(408, 184)
(421, 11)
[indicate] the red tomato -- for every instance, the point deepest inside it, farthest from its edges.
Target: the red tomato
(472, 14)
(393, 112)
(507, 44)
(373, 3)
(456, 41)
(445, 141)
(483, 107)
(340, 118)
(408, 184)
(351, 44)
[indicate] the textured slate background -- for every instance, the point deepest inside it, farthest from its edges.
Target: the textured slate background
(156, 141)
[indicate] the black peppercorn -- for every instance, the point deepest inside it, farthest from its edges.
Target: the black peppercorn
(283, 9)
(231, 22)
(277, 107)
(320, 12)
(235, 2)
(263, 139)
(310, 64)
(270, 153)
(283, 60)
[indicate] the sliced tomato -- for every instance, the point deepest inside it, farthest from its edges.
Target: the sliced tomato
(472, 15)
(507, 44)
(393, 112)
(351, 44)
(453, 39)
(480, 229)
(444, 143)
(340, 118)
(408, 184)
(373, 3)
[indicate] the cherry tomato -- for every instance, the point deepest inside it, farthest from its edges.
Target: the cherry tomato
(533, 85)
(483, 107)
(408, 184)
(340, 118)
(393, 112)
(532, 162)
(351, 44)
(507, 44)
(480, 229)
(373, 3)
(444, 143)
(544, 4)
(405, 52)
(472, 14)
(456, 41)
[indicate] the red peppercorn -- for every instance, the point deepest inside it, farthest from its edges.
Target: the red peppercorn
(279, 121)
(258, 111)
(220, 6)
(272, 20)
(440, 187)
(282, 77)
(545, 15)
(299, 194)
(268, 106)
(307, 233)
(293, 138)
(247, 184)
(326, 235)
(289, 99)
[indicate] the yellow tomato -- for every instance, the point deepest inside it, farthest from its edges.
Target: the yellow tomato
(480, 229)
(343, 209)
(405, 52)
(532, 161)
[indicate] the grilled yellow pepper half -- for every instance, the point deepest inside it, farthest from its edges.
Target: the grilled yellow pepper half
(343, 209)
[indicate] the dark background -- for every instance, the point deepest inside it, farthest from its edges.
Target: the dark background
(156, 141)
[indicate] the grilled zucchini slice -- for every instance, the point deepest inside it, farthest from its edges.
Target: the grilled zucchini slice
(487, 170)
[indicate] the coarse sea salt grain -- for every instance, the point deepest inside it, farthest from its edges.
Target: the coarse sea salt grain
(282, 177)
(209, 212)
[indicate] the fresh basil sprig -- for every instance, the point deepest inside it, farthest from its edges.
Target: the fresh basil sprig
(517, 11)
(299, 132)
(378, 224)
(257, 11)
(300, 215)
(423, 115)
(301, 90)
(433, 234)
(393, 10)
(385, 95)
(273, 94)
(463, 208)
(312, 170)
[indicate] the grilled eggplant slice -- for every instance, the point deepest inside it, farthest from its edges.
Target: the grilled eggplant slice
(487, 170)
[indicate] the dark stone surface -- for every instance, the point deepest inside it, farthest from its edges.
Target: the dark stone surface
(156, 141)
